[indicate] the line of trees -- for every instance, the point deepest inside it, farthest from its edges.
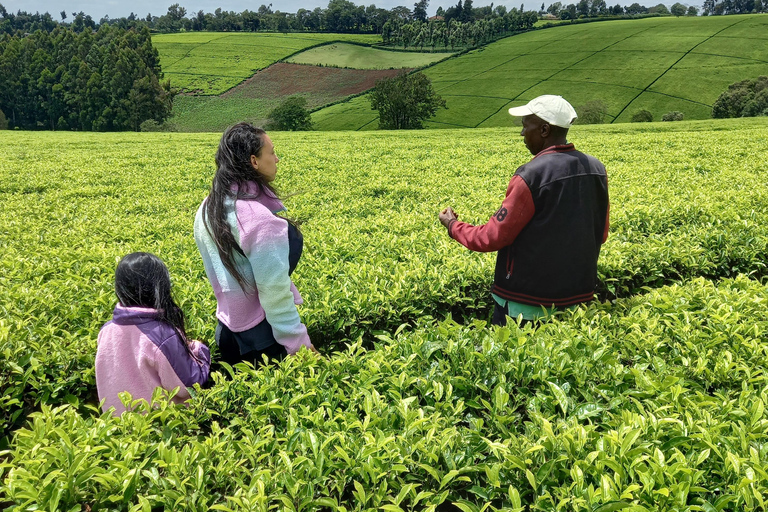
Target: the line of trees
(453, 33)
(103, 80)
(715, 8)
(343, 16)
(597, 8)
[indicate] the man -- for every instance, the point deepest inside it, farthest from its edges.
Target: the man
(551, 224)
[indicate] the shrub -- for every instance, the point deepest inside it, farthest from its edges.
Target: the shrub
(675, 115)
(642, 116)
(747, 98)
(592, 112)
(150, 125)
(291, 115)
(3, 121)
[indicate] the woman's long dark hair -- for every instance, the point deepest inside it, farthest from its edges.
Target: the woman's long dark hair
(233, 167)
(142, 280)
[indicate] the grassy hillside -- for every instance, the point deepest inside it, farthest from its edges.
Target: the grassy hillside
(651, 399)
(209, 63)
(253, 99)
(362, 57)
(658, 64)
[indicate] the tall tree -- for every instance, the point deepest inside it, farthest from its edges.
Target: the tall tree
(467, 14)
(405, 101)
(677, 9)
(420, 10)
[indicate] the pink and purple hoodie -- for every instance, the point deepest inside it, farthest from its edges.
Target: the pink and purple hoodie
(137, 353)
(263, 237)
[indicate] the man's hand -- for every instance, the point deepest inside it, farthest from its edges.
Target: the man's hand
(447, 215)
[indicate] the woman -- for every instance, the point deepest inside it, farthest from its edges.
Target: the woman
(249, 252)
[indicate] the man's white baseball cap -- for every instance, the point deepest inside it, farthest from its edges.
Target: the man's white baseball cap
(550, 108)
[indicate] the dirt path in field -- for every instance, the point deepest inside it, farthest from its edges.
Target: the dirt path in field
(320, 85)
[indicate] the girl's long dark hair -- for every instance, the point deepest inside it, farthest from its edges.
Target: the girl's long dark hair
(142, 280)
(233, 167)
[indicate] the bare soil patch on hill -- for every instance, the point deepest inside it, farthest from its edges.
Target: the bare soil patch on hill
(320, 85)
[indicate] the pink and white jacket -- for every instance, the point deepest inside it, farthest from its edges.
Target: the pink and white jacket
(137, 353)
(263, 237)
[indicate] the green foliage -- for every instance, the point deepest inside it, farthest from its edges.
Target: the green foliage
(746, 98)
(455, 33)
(3, 121)
(211, 63)
(653, 397)
(592, 112)
(405, 101)
(653, 403)
(677, 9)
(675, 115)
(688, 60)
(364, 57)
(659, 9)
(642, 116)
(291, 115)
(150, 125)
(103, 81)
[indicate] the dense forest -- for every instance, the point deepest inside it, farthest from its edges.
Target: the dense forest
(102, 80)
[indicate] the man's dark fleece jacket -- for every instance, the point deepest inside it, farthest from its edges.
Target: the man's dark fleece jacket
(548, 231)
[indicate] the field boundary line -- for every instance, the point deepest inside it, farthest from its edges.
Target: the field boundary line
(732, 57)
(561, 70)
(677, 62)
(198, 46)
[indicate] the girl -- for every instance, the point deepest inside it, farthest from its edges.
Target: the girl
(145, 346)
(249, 252)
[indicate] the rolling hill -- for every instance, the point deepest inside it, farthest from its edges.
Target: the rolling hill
(658, 64)
(210, 63)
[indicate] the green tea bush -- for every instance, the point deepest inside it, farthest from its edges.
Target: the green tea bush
(619, 406)
(688, 203)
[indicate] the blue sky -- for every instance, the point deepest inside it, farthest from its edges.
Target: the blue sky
(119, 8)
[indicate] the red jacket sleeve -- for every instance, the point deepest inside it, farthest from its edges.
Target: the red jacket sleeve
(502, 228)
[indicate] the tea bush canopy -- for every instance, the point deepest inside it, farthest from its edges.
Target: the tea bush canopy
(363, 57)
(657, 64)
(651, 398)
(210, 63)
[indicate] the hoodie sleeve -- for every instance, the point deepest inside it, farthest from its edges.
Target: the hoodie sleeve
(502, 228)
(264, 240)
(177, 367)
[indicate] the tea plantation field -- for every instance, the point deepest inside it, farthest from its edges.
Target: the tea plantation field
(363, 57)
(657, 64)
(652, 398)
(209, 63)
